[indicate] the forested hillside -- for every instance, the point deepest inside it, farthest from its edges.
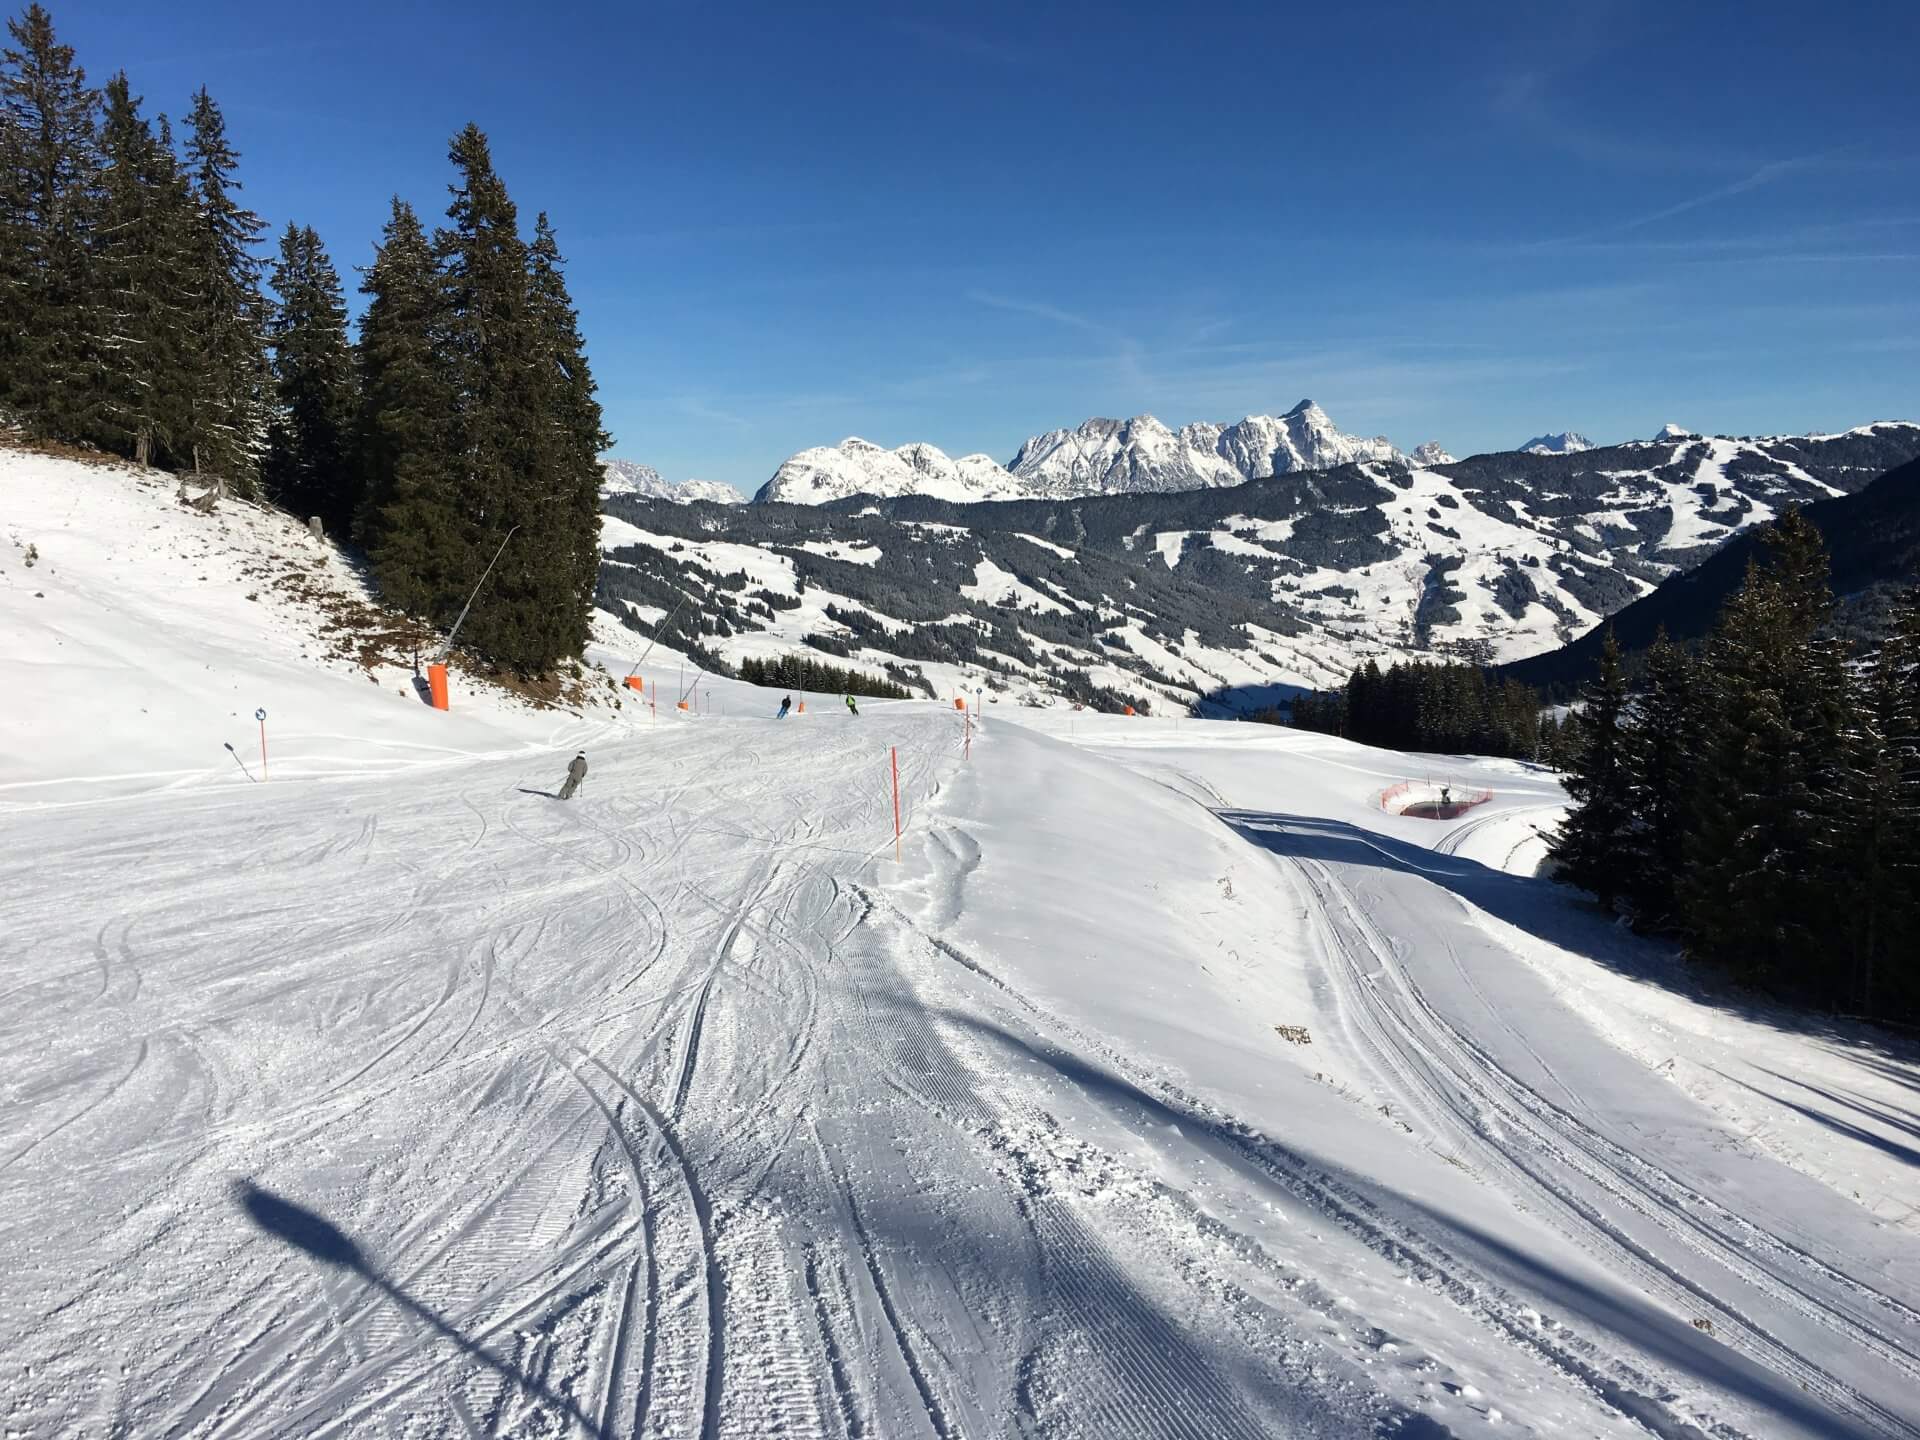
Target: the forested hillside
(134, 320)
(1873, 538)
(1761, 797)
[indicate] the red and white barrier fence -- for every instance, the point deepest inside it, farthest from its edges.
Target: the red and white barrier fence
(1431, 799)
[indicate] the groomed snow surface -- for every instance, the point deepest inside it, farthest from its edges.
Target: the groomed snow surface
(1166, 1084)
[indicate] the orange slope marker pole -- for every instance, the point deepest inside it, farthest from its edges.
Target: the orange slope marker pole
(894, 752)
(263, 744)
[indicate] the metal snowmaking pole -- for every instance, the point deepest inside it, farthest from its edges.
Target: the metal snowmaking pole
(447, 649)
(658, 632)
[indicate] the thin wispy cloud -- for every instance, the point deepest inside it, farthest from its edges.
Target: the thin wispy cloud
(1834, 257)
(700, 410)
(1126, 355)
(1760, 178)
(936, 383)
(750, 229)
(1550, 50)
(969, 44)
(1040, 311)
(1765, 175)
(204, 59)
(1764, 245)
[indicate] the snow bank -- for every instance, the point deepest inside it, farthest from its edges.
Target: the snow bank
(144, 636)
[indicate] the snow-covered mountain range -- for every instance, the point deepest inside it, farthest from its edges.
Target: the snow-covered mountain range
(629, 477)
(1567, 442)
(859, 467)
(1166, 597)
(1096, 457)
(1141, 455)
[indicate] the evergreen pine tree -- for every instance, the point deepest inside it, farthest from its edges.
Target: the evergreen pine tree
(1596, 839)
(139, 378)
(576, 414)
(1547, 746)
(512, 451)
(225, 430)
(1568, 742)
(49, 166)
(409, 516)
(308, 466)
(1666, 738)
(1895, 988)
(1759, 893)
(1876, 847)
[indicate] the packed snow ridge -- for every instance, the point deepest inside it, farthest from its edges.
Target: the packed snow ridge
(628, 477)
(1097, 457)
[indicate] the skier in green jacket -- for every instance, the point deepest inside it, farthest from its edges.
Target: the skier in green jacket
(851, 707)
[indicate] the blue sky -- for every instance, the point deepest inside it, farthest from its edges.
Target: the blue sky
(964, 224)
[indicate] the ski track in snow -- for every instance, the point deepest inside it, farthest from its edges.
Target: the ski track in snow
(681, 1109)
(1602, 1192)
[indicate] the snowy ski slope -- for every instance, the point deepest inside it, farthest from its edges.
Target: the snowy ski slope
(1166, 1085)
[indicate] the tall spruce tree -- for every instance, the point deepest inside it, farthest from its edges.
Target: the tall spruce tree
(1665, 737)
(1895, 990)
(1761, 890)
(511, 448)
(225, 429)
(1875, 847)
(410, 518)
(309, 464)
(139, 378)
(576, 415)
(49, 167)
(1597, 840)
